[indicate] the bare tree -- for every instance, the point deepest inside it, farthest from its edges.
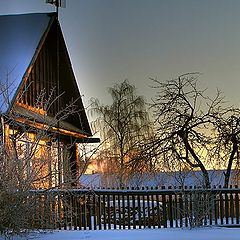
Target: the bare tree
(191, 126)
(123, 125)
(32, 157)
(228, 139)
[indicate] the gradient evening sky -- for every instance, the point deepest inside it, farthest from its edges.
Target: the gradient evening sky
(112, 40)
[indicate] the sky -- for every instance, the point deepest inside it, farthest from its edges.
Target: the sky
(113, 40)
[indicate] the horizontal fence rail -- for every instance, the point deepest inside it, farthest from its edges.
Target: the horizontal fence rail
(134, 208)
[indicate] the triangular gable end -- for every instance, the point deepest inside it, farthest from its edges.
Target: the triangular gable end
(20, 35)
(41, 77)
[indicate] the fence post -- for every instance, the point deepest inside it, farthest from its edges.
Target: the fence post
(226, 208)
(231, 208)
(133, 211)
(170, 207)
(237, 205)
(221, 207)
(164, 208)
(180, 209)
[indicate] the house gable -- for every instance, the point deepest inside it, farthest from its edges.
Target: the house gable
(40, 76)
(20, 35)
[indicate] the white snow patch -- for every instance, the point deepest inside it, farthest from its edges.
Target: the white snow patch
(208, 233)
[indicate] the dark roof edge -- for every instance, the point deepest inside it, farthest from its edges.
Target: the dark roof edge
(30, 13)
(53, 16)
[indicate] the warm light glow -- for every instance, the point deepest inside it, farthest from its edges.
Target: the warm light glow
(33, 109)
(46, 127)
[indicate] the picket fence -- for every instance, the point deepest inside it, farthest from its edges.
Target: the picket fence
(95, 209)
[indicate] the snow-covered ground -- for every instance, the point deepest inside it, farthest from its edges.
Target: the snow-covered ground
(208, 233)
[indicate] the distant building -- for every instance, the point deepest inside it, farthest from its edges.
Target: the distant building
(39, 96)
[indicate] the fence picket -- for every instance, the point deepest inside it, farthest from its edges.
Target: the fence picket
(231, 208)
(226, 208)
(130, 208)
(237, 207)
(139, 197)
(170, 207)
(133, 211)
(114, 211)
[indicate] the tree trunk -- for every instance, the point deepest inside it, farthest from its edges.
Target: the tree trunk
(199, 164)
(230, 162)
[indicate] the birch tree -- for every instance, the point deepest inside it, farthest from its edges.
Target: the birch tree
(123, 125)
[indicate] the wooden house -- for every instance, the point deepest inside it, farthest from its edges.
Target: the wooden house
(42, 114)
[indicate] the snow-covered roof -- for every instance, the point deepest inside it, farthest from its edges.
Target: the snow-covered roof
(20, 37)
(188, 178)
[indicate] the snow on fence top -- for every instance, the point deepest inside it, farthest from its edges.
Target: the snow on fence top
(131, 203)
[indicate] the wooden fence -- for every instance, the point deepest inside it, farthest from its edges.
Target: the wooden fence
(135, 208)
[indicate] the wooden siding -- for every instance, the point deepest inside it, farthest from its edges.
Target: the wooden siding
(42, 78)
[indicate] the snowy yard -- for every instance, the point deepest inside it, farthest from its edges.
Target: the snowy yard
(208, 233)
